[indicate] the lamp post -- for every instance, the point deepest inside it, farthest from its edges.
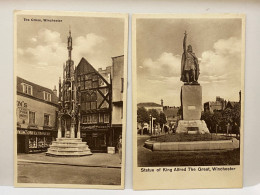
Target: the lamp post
(151, 124)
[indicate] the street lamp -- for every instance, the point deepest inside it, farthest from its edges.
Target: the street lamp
(151, 124)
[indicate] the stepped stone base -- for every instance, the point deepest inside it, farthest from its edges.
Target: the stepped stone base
(68, 147)
(192, 127)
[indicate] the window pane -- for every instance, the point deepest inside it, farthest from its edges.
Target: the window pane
(106, 118)
(88, 84)
(93, 105)
(46, 120)
(101, 118)
(29, 90)
(31, 117)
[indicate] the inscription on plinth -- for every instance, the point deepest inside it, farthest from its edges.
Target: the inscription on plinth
(191, 99)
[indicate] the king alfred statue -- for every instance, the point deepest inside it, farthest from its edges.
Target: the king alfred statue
(189, 64)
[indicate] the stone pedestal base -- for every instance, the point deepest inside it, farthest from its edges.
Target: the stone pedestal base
(192, 127)
(68, 147)
(191, 99)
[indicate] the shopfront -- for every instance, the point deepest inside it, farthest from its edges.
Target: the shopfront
(98, 138)
(33, 141)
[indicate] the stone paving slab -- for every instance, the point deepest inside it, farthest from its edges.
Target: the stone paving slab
(95, 160)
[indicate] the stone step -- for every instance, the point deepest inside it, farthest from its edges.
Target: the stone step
(67, 154)
(68, 149)
(67, 144)
(69, 139)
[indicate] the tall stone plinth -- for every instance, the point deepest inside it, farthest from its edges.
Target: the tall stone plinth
(191, 101)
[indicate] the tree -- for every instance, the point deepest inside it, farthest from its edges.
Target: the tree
(142, 116)
(179, 113)
(216, 119)
(155, 114)
(207, 117)
(236, 114)
(162, 119)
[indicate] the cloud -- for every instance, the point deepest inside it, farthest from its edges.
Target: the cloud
(47, 54)
(167, 65)
(220, 70)
(88, 46)
(223, 60)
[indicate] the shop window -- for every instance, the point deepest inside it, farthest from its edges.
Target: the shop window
(48, 141)
(40, 142)
(33, 142)
(46, 120)
(27, 89)
(46, 96)
(31, 118)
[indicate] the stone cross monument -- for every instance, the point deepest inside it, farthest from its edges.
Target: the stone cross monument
(68, 142)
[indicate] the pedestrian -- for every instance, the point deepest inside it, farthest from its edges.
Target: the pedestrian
(119, 147)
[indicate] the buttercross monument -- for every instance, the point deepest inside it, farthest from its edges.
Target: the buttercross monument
(191, 94)
(68, 142)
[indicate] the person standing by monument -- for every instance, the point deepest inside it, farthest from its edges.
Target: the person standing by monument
(189, 64)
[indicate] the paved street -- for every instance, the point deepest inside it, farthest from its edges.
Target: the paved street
(150, 158)
(97, 169)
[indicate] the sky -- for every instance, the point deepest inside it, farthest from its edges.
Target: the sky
(217, 44)
(42, 46)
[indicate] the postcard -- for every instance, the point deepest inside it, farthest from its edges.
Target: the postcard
(70, 76)
(188, 100)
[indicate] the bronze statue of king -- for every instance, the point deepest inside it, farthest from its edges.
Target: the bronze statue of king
(189, 64)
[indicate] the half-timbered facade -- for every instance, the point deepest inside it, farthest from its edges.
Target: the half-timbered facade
(95, 106)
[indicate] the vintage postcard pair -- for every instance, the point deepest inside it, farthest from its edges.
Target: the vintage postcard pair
(70, 86)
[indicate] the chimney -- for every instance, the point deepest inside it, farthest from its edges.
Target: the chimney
(55, 90)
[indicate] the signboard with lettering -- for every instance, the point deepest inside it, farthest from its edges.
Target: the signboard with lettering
(31, 132)
(22, 109)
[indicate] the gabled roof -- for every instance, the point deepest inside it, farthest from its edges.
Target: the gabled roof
(37, 90)
(84, 66)
(149, 104)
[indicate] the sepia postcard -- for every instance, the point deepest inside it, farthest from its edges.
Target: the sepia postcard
(70, 83)
(188, 100)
